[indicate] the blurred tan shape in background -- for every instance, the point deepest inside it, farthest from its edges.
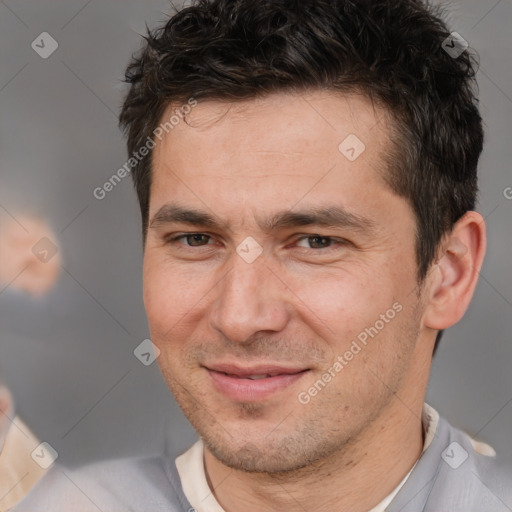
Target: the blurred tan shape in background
(29, 256)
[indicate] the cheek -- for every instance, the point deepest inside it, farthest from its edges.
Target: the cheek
(364, 318)
(172, 297)
(160, 295)
(344, 303)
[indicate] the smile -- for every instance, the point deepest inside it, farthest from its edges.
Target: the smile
(252, 384)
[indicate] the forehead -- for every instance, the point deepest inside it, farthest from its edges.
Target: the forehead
(272, 150)
(307, 121)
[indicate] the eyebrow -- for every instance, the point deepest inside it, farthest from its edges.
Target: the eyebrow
(331, 216)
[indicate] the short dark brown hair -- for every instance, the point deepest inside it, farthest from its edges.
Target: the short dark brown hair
(389, 50)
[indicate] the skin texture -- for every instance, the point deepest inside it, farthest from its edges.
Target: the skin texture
(301, 303)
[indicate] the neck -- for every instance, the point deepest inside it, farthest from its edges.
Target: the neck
(356, 477)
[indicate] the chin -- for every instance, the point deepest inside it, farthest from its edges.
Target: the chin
(250, 458)
(276, 456)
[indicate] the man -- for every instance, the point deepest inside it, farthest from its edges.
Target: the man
(306, 173)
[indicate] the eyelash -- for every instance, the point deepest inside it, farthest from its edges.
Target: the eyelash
(333, 241)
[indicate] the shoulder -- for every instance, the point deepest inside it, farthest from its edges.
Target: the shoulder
(477, 468)
(135, 484)
(491, 480)
(457, 474)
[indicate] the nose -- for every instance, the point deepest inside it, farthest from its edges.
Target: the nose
(250, 298)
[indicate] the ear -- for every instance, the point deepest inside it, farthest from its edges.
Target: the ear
(453, 277)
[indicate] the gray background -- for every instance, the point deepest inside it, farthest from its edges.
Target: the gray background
(68, 358)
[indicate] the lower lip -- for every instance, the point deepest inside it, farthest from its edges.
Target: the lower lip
(249, 390)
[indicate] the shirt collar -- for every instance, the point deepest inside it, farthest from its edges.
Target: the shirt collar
(190, 468)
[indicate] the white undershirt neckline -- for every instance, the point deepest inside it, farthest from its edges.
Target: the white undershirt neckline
(192, 474)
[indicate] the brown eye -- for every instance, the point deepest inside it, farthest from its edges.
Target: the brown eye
(317, 241)
(192, 239)
(197, 239)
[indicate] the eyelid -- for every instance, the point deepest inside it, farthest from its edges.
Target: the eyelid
(174, 237)
(335, 241)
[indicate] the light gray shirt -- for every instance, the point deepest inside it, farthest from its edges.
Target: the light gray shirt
(450, 476)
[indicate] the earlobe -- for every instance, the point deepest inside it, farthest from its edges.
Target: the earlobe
(453, 281)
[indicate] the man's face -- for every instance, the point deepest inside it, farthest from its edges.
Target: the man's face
(320, 293)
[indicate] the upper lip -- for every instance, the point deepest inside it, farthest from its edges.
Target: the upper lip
(260, 369)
